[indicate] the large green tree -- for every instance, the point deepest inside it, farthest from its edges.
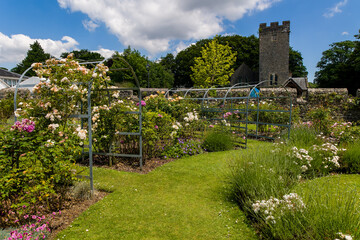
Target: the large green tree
(149, 73)
(35, 54)
(159, 76)
(183, 62)
(214, 67)
(296, 66)
(339, 66)
(138, 63)
(84, 55)
(247, 49)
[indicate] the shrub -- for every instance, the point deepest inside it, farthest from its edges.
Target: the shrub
(35, 169)
(302, 136)
(81, 190)
(318, 214)
(321, 119)
(318, 160)
(218, 141)
(261, 174)
(158, 131)
(350, 159)
(265, 185)
(182, 147)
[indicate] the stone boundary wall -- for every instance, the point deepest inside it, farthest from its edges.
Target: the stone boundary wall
(324, 91)
(335, 98)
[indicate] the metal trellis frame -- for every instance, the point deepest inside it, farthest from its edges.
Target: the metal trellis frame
(87, 116)
(238, 126)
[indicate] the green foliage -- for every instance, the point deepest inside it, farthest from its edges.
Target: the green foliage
(83, 55)
(218, 141)
(350, 160)
(296, 66)
(266, 185)
(81, 190)
(183, 62)
(6, 108)
(149, 73)
(168, 62)
(138, 63)
(302, 136)
(35, 54)
(182, 147)
(313, 85)
(321, 119)
(260, 174)
(157, 132)
(37, 155)
(339, 66)
(247, 51)
(7, 105)
(159, 76)
(214, 67)
(34, 170)
(331, 208)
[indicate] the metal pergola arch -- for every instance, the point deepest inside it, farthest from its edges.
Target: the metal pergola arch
(88, 114)
(226, 98)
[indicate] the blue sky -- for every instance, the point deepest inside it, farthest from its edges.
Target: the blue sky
(158, 27)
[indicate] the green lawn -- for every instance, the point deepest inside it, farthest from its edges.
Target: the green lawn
(183, 199)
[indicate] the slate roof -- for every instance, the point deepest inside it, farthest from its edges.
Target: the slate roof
(7, 74)
(301, 83)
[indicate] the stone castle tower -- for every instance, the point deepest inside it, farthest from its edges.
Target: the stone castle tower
(274, 53)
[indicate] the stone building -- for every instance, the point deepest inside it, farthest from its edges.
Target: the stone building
(274, 53)
(243, 74)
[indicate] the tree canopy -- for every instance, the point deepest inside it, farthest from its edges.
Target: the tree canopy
(35, 54)
(149, 73)
(296, 66)
(214, 67)
(340, 66)
(84, 55)
(247, 49)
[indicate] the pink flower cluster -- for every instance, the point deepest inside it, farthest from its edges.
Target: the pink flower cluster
(143, 103)
(227, 114)
(308, 123)
(25, 125)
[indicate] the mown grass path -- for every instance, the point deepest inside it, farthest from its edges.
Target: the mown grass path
(183, 199)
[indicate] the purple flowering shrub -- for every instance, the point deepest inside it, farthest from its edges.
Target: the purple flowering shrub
(182, 147)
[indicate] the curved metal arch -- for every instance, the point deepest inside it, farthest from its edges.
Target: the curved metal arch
(235, 86)
(188, 91)
(17, 87)
(258, 97)
(167, 94)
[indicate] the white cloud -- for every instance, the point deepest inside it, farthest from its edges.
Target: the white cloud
(90, 25)
(344, 33)
(14, 48)
(336, 9)
(154, 24)
(106, 53)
